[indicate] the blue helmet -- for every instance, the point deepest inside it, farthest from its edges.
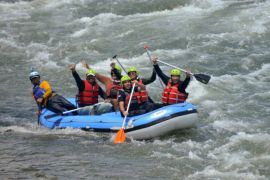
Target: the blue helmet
(33, 75)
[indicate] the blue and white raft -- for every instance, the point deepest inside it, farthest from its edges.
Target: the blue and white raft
(150, 125)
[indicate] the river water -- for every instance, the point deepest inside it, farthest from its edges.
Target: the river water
(227, 39)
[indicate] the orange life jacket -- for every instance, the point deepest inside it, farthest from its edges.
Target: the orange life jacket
(112, 90)
(171, 94)
(134, 104)
(142, 95)
(89, 95)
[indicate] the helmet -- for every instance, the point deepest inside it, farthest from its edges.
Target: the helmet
(118, 68)
(91, 72)
(33, 75)
(132, 69)
(175, 72)
(125, 78)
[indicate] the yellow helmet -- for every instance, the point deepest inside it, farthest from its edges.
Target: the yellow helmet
(132, 69)
(125, 78)
(175, 72)
(91, 72)
(118, 68)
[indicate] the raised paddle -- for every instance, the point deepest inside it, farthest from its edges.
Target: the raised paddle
(204, 78)
(120, 136)
(39, 112)
(66, 112)
(115, 57)
(148, 53)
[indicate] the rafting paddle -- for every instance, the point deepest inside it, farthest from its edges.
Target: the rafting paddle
(115, 57)
(59, 114)
(148, 53)
(39, 112)
(204, 78)
(120, 136)
(66, 112)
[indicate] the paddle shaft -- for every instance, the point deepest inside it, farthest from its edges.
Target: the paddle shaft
(131, 94)
(66, 112)
(174, 67)
(115, 57)
(148, 53)
(204, 78)
(39, 112)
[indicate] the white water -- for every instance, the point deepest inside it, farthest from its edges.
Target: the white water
(226, 39)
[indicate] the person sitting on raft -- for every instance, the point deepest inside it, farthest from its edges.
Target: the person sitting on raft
(45, 97)
(133, 74)
(138, 105)
(112, 84)
(88, 92)
(175, 90)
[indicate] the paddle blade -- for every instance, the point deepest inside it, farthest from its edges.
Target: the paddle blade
(204, 78)
(145, 46)
(120, 136)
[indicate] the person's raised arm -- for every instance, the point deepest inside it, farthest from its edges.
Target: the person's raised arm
(182, 87)
(79, 81)
(151, 79)
(162, 76)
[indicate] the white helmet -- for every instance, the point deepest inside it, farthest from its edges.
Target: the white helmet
(33, 74)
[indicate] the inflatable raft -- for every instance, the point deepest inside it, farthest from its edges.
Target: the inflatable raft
(153, 124)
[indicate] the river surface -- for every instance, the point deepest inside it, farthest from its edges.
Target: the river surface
(227, 39)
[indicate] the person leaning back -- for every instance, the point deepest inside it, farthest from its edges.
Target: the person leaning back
(46, 97)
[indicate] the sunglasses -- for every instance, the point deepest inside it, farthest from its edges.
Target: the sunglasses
(90, 77)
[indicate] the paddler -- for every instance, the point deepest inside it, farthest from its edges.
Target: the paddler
(133, 73)
(112, 84)
(138, 105)
(46, 97)
(175, 90)
(88, 93)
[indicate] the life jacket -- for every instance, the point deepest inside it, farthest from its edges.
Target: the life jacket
(135, 103)
(142, 95)
(38, 92)
(171, 94)
(89, 95)
(112, 89)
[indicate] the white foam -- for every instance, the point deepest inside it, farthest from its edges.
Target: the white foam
(167, 142)
(161, 155)
(9, 42)
(194, 156)
(15, 11)
(212, 173)
(79, 33)
(106, 20)
(231, 125)
(43, 60)
(259, 139)
(103, 20)
(31, 128)
(264, 71)
(209, 4)
(197, 92)
(124, 34)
